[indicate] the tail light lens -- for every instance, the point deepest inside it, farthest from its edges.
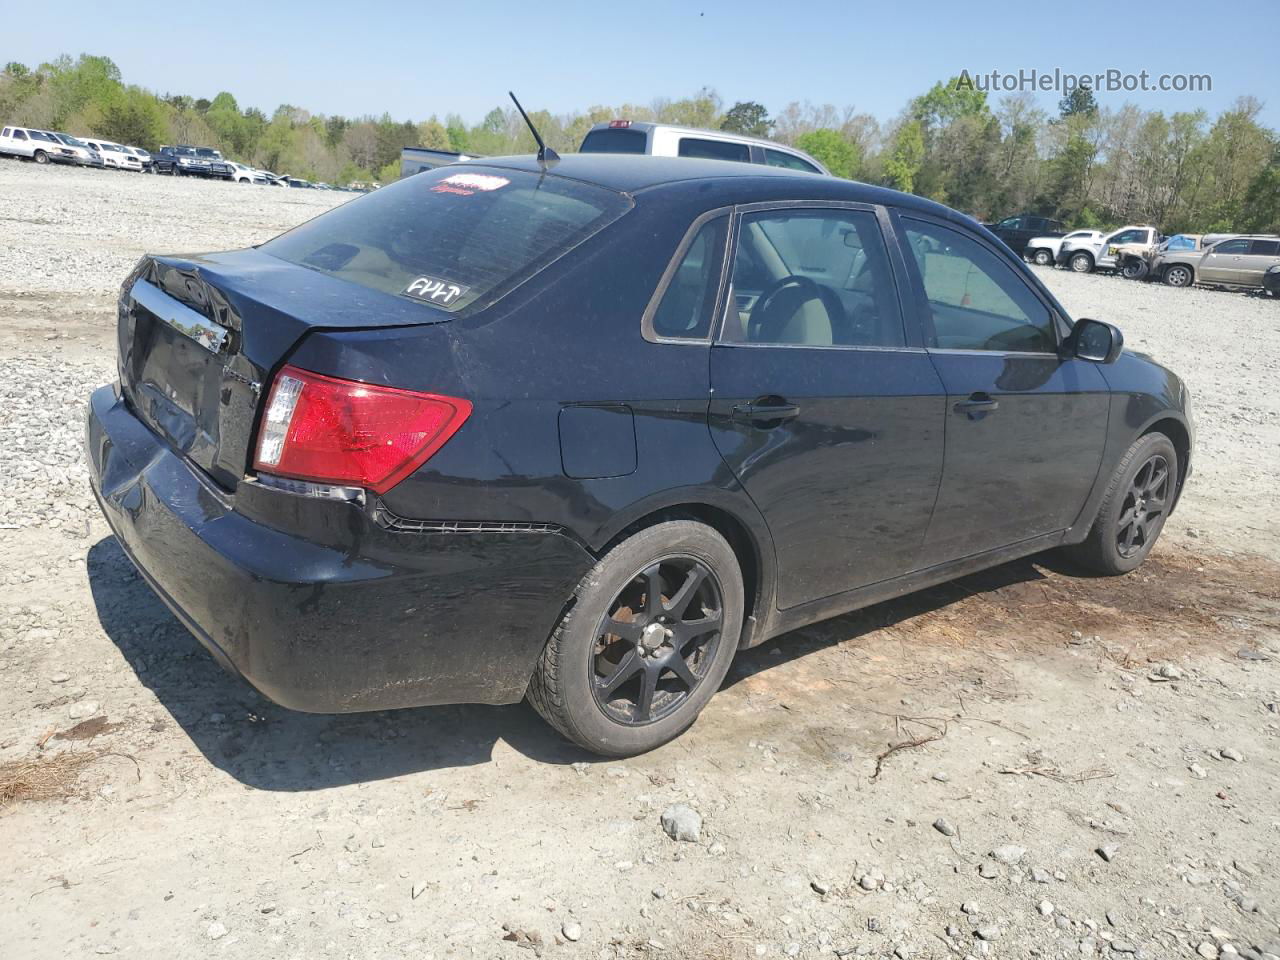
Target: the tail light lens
(355, 434)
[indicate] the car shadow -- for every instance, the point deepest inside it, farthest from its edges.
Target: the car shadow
(851, 626)
(269, 747)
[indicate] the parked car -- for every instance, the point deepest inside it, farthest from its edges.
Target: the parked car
(1044, 250)
(180, 160)
(219, 166)
(392, 458)
(669, 140)
(299, 183)
(242, 173)
(1015, 231)
(29, 143)
(1085, 256)
(84, 155)
(1237, 262)
(114, 156)
(416, 159)
(148, 164)
(1271, 281)
(1138, 261)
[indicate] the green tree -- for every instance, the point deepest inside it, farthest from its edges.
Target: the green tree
(832, 150)
(135, 118)
(1080, 102)
(433, 135)
(906, 157)
(747, 116)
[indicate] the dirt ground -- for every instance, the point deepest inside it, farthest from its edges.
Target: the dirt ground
(1027, 762)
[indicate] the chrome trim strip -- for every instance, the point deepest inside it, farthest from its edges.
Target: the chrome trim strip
(182, 318)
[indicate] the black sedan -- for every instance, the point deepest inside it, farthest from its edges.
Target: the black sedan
(580, 433)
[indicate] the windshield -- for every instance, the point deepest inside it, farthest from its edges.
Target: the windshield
(184, 151)
(453, 239)
(71, 141)
(210, 154)
(41, 135)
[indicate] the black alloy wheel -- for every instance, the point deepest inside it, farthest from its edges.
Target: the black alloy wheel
(1144, 508)
(645, 642)
(654, 646)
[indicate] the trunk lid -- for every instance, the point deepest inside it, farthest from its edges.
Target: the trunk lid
(199, 338)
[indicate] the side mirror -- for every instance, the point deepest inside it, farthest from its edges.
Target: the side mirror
(1096, 341)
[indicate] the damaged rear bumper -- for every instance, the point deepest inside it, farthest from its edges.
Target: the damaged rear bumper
(316, 603)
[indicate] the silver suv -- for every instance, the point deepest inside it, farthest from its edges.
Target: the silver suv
(669, 140)
(1240, 262)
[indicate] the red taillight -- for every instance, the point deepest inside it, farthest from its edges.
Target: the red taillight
(355, 434)
(616, 124)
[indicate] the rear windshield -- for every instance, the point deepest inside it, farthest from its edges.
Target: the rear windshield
(453, 236)
(614, 140)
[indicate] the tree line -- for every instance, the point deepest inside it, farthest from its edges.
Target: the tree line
(1088, 165)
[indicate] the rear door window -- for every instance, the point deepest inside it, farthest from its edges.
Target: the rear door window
(818, 278)
(777, 158)
(19, 134)
(714, 149)
(452, 237)
(1264, 248)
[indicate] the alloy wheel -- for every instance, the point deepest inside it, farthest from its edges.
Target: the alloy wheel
(657, 641)
(1144, 508)
(1043, 258)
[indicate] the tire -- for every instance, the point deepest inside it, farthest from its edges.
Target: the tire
(1081, 263)
(1134, 269)
(590, 684)
(40, 157)
(1147, 474)
(1178, 275)
(1042, 258)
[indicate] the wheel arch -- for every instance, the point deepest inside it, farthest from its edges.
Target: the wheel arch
(748, 538)
(1180, 436)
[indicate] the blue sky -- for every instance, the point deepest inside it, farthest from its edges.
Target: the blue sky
(415, 59)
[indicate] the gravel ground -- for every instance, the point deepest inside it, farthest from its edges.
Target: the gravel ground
(1026, 763)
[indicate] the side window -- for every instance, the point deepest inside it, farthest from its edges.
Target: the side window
(686, 305)
(1010, 223)
(5, 132)
(976, 301)
(1237, 246)
(714, 149)
(814, 278)
(1128, 236)
(19, 134)
(776, 158)
(1264, 248)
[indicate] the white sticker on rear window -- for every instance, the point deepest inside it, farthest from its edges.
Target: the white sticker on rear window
(435, 290)
(465, 184)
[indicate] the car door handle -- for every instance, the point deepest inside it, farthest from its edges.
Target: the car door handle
(765, 411)
(977, 405)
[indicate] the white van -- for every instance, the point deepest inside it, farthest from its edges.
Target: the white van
(668, 140)
(31, 144)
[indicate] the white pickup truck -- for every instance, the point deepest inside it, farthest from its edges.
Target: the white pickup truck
(38, 145)
(1044, 250)
(1085, 256)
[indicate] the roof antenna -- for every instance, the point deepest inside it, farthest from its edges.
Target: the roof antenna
(546, 156)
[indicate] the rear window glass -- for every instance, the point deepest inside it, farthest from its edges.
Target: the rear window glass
(453, 236)
(714, 149)
(614, 140)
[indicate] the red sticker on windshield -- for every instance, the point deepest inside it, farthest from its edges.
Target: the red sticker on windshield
(466, 184)
(435, 290)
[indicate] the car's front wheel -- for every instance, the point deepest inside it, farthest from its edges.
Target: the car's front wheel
(1178, 276)
(1081, 262)
(1042, 257)
(40, 157)
(1134, 508)
(651, 632)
